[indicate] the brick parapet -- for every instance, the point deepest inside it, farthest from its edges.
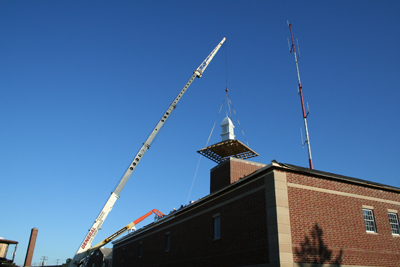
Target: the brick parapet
(342, 186)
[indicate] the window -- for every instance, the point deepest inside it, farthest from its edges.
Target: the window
(167, 241)
(217, 226)
(394, 223)
(369, 220)
(140, 249)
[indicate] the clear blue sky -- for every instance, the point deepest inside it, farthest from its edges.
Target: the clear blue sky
(84, 82)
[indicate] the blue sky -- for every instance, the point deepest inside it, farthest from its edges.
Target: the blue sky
(83, 83)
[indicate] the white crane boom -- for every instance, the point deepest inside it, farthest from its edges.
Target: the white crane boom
(87, 241)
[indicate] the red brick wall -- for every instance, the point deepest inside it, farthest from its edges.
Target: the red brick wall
(230, 171)
(220, 176)
(337, 222)
(244, 236)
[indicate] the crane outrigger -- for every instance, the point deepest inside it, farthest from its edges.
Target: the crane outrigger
(87, 241)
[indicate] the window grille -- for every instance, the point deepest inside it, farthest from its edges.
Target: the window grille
(394, 223)
(369, 220)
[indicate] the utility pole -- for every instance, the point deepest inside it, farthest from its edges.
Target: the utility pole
(44, 259)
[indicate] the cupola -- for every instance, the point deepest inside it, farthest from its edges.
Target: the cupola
(227, 129)
(229, 147)
(231, 156)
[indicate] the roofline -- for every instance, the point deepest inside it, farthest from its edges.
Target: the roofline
(268, 168)
(333, 176)
(191, 206)
(6, 241)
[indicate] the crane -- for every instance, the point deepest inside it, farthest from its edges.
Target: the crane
(129, 226)
(87, 241)
(158, 213)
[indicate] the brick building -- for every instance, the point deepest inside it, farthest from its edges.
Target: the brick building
(271, 215)
(101, 257)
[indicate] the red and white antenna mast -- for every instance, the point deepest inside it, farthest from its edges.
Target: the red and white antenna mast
(301, 97)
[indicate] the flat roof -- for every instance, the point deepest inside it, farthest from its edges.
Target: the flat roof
(337, 176)
(272, 165)
(6, 241)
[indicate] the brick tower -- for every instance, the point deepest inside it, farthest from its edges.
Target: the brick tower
(231, 155)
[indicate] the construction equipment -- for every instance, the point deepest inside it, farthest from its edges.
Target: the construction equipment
(158, 213)
(87, 241)
(128, 227)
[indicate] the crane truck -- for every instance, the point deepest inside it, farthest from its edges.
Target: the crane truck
(128, 227)
(87, 241)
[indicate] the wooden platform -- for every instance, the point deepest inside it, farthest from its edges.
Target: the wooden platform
(226, 149)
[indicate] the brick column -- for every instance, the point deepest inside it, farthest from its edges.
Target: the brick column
(278, 220)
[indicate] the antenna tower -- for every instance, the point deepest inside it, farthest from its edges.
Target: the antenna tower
(293, 48)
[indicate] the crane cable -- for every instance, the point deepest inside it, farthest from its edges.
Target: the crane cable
(237, 118)
(229, 101)
(230, 112)
(227, 96)
(209, 137)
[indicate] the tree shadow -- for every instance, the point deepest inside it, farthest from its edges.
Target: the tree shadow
(314, 251)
